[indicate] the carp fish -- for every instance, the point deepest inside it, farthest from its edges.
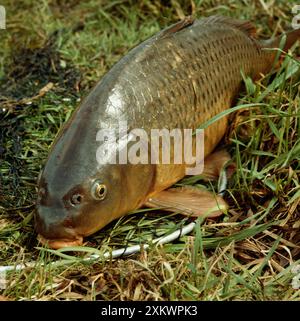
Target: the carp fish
(179, 78)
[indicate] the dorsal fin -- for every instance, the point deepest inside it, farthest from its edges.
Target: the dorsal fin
(187, 21)
(245, 26)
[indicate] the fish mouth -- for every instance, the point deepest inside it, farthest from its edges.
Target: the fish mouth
(56, 244)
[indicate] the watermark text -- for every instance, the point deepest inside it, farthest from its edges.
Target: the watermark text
(156, 146)
(296, 278)
(2, 17)
(296, 19)
(3, 280)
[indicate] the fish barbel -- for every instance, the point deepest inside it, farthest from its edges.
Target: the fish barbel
(179, 78)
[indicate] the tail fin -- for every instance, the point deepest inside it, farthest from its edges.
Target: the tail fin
(291, 38)
(270, 56)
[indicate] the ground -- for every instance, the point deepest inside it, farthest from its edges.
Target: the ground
(51, 54)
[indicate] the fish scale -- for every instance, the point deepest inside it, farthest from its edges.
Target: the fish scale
(179, 78)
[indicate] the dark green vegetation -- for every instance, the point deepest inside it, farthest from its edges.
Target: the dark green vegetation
(51, 54)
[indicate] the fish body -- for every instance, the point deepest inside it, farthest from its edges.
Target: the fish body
(179, 78)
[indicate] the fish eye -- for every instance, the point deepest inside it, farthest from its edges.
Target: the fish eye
(76, 199)
(99, 191)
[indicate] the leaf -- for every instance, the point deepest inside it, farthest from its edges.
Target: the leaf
(227, 112)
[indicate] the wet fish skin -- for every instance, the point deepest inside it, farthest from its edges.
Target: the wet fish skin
(179, 78)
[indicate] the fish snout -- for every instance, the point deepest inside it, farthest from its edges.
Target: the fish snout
(55, 230)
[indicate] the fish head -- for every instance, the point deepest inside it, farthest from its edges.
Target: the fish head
(77, 195)
(69, 209)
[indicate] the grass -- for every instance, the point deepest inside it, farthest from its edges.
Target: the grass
(247, 255)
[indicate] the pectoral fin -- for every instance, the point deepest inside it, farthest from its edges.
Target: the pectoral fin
(214, 164)
(189, 201)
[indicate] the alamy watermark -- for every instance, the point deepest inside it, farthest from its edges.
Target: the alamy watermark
(2, 17)
(3, 280)
(296, 19)
(157, 146)
(296, 278)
